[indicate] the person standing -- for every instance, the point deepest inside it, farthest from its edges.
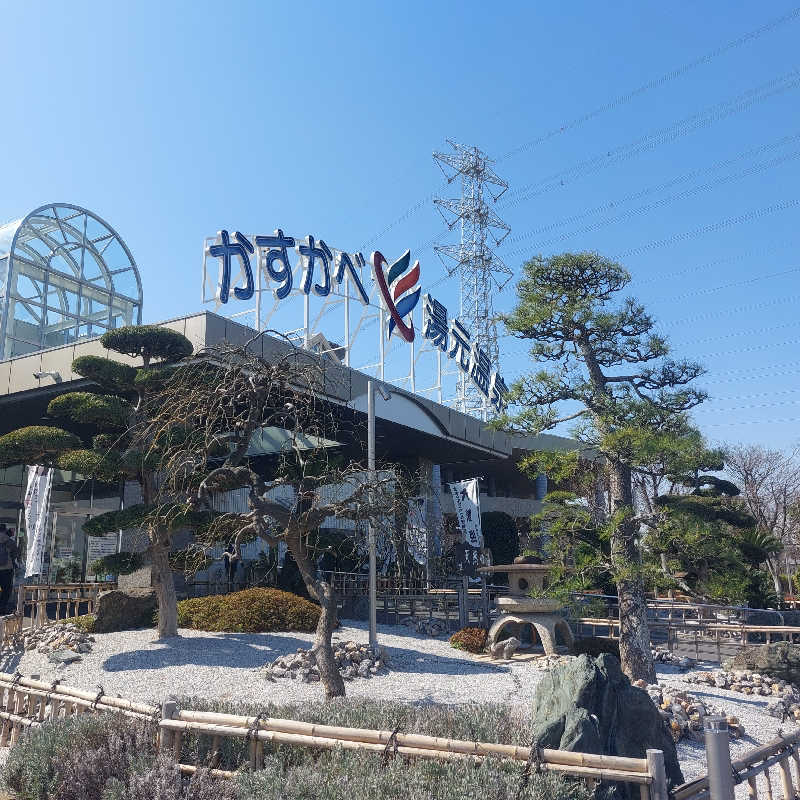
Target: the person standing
(8, 559)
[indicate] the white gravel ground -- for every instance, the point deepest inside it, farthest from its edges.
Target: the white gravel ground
(223, 666)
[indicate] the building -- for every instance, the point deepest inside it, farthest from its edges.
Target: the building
(68, 277)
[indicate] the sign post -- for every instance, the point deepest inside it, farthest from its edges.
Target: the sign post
(373, 567)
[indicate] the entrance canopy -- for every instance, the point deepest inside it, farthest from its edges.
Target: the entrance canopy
(65, 274)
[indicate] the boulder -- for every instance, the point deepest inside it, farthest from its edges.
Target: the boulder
(780, 660)
(118, 611)
(587, 705)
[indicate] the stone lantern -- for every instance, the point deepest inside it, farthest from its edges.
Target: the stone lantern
(519, 611)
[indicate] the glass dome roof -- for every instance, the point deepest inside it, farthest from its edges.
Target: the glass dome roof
(65, 274)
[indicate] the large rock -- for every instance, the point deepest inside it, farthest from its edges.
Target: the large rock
(118, 611)
(587, 705)
(780, 660)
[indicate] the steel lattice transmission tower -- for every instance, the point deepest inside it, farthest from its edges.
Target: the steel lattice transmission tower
(480, 271)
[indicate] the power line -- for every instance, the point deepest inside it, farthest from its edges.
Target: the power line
(610, 105)
(696, 121)
(664, 201)
(657, 82)
(748, 216)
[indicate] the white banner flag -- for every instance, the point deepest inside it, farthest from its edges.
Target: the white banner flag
(37, 503)
(417, 530)
(467, 502)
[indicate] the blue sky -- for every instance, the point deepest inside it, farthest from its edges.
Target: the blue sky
(174, 120)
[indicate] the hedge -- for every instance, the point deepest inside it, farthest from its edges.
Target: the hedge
(251, 611)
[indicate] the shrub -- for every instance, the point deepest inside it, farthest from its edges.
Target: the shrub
(148, 341)
(36, 444)
(74, 758)
(487, 722)
(596, 645)
(500, 536)
(252, 610)
(473, 640)
(342, 775)
(85, 622)
(117, 564)
(106, 372)
(86, 408)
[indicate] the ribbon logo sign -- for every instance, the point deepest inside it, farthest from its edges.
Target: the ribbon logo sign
(394, 286)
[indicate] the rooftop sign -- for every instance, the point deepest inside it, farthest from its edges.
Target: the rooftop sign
(249, 267)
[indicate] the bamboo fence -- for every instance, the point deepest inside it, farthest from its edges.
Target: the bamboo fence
(27, 702)
(69, 600)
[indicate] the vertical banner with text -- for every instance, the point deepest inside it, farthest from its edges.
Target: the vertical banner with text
(37, 502)
(467, 502)
(417, 530)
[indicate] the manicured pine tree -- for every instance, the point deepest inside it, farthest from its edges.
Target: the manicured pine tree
(96, 440)
(614, 373)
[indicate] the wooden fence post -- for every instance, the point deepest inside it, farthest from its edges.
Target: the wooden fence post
(657, 771)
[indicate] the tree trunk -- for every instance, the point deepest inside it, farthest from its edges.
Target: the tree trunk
(323, 650)
(634, 632)
(323, 593)
(165, 591)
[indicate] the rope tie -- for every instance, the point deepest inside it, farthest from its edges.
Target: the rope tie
(737, 777)
(18, 676)
(391, 745)
(252, 731)
(51, 690)
(534, 763)
(96, 700)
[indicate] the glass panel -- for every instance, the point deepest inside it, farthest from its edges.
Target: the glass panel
(20, 348)
(59, 329)
(62, 294)
(125, 283)
(114, 255)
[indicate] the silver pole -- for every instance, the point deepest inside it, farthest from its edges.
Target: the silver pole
(718, 758)
(373, 568)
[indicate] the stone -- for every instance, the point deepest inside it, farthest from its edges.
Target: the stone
(119, 611)
(63, 657)
(511, 645)
(779, 660)
(587, 705)
(363, 669)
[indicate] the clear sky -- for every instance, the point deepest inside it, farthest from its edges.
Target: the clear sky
(173, 120)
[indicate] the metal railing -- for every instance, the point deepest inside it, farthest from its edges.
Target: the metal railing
(763, 768)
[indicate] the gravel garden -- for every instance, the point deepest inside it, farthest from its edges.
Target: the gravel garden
(435, 685)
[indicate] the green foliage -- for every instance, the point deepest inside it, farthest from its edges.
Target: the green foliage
(101, 757)
(486, 722)
(709, 509)
(117, 564)
(130, 517)
(36, 444)
(473, 640)
(67, 571)
(596, 645)
(107, 412)
(105, 372)
(153, 378)
(342, 775)
(500, 536)
(85, 622)
(252, 610)
(147, 342)
(102, 465)
(110, 757)
(171, 516)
